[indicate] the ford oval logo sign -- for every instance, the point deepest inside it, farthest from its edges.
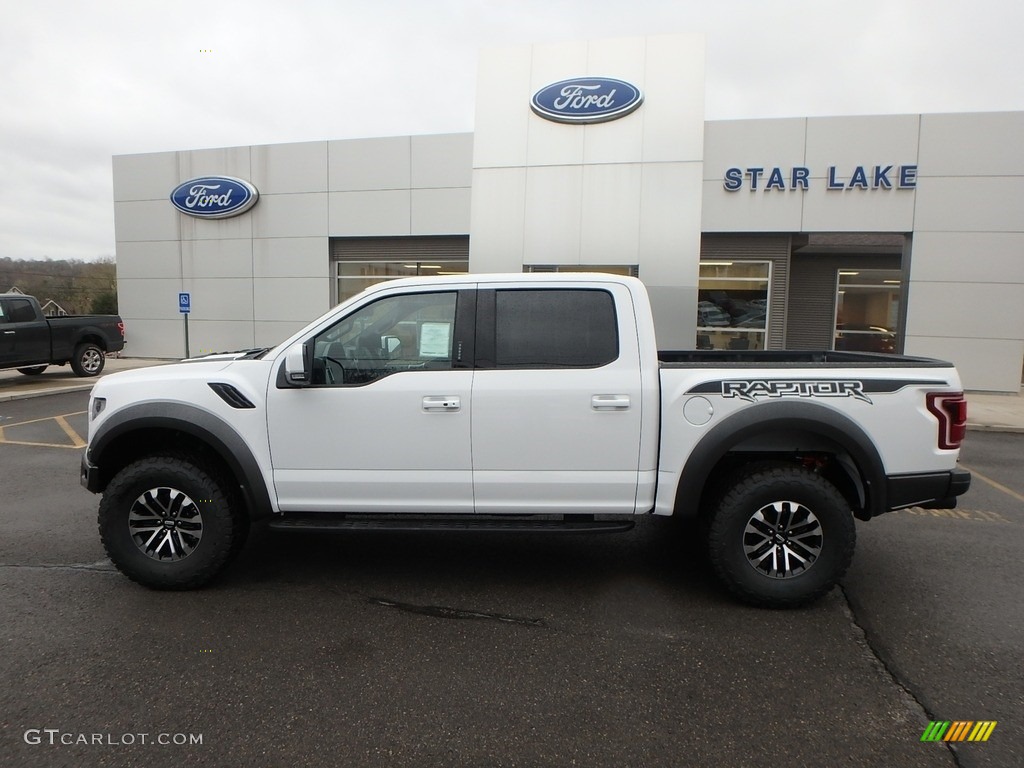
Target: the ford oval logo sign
(586, 100)
(214, 197)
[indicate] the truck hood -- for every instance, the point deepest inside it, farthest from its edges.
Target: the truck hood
(217, 356)
(199, 368)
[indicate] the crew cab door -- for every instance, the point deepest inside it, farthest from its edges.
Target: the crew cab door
(384, 424)
(24, 335)
(7, 335)
(556, 400)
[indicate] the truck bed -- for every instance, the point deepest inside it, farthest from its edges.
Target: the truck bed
(757, 358)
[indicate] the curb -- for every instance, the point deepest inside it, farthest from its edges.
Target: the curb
(1005, 428)
(5, 398)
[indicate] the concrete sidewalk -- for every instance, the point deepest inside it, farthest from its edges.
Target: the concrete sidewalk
(995, 413)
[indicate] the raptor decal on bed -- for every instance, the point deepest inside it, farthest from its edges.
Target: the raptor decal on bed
(751, 390)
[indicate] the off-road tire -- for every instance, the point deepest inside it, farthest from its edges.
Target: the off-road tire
(745, 542)
(193, 498)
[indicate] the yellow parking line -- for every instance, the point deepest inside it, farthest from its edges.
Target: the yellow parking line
(41, 445)
(45, 418)
(77, 442)
(974, 515)
(69, 431)
(994, 484)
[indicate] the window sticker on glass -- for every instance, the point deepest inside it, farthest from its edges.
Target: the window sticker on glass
(435, 339)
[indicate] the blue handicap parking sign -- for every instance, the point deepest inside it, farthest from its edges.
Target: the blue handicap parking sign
(184, 303)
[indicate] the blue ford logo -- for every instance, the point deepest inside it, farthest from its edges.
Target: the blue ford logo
(214, 197)
(586, 100)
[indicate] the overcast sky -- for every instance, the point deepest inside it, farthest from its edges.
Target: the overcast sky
(82, 80)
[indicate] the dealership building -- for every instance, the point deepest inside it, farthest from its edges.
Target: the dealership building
(896, 233)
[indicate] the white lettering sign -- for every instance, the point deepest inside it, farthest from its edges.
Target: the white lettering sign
(573, 97)
(199, 196)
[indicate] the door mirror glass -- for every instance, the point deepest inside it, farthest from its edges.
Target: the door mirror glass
(390, 344)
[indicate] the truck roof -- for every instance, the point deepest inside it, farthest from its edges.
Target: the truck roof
(506, 277)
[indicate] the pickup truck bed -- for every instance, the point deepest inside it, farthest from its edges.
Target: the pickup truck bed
(791, 359)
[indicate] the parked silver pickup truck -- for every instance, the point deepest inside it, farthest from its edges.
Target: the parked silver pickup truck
(519, 402)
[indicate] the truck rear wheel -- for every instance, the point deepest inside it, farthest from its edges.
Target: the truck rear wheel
(167, 524)
(781, 536)
(88, 359)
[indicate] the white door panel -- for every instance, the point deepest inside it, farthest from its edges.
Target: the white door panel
(384, 423)
(549, 437)
(540, 442)
(375, 447)
(539, 420)
(555, 492)
(361, 490)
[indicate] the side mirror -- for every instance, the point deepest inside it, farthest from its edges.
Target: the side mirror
(295, 369)
(390, 344)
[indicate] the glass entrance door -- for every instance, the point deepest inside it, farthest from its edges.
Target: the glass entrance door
(868, 310)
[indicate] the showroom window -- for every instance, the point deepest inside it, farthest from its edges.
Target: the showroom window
(732, 304)
(868, 310)
(352, 277)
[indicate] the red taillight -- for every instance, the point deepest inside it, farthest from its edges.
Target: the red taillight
(950, 408)
(120, 327)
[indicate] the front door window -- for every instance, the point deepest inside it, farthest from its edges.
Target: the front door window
(408, 332)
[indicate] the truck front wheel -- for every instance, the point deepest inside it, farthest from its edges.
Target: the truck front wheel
(781, 536)
(167, 524)
(88, 359)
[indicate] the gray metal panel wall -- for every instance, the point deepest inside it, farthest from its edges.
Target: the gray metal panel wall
(768, 247)
(400, 248)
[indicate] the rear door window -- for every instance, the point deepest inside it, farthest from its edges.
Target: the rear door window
(555, 328)
(21, 311)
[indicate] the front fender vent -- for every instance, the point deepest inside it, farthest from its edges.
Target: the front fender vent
(231, 396)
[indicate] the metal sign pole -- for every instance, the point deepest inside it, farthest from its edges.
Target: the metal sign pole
(185, 307)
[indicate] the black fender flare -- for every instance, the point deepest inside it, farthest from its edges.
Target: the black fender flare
(87, 333)
(766, 418)
(195, 422)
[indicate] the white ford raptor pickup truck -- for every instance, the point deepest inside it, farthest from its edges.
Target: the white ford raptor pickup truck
(519, 403)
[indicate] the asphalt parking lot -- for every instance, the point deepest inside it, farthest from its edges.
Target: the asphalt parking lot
(480, 650)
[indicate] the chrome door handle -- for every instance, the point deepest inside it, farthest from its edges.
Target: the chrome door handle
(442, 404)
(8, 333)
(610, 402)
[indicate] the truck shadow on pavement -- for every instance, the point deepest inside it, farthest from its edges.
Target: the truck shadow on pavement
(662, 551)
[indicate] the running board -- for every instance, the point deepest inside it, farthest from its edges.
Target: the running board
(342, 524)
